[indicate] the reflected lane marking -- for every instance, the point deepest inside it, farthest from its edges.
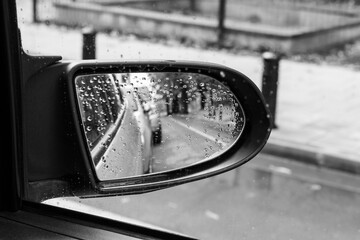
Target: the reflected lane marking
(199, 132)
(282, 170)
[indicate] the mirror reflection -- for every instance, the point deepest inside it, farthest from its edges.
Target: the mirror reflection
(141, 123)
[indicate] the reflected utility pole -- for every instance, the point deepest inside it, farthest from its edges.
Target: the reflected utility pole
(35, 12)
(221, 27)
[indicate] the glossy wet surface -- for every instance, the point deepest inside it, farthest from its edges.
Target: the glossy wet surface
(268, 198)
(189, 140)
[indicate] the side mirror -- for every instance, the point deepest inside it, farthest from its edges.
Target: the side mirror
(212, 119)
(88, 135)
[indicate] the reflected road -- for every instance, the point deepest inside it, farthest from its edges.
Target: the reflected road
(188, 140)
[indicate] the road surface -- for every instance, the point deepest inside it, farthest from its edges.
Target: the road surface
(267, 198)
(187, 140)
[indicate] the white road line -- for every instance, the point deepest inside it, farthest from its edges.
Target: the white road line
(199, 132)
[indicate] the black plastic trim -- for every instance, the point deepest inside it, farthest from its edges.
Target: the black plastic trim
(254, 136)
(92, 221)
(11, 183)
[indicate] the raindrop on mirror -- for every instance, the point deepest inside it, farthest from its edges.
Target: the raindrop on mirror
(143, 123)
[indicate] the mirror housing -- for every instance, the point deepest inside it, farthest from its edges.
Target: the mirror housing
(253, 138)
(56, 157)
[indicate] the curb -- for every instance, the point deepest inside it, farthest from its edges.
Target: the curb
(322, 160)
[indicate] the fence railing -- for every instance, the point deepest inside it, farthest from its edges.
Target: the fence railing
(43, 10)
(276, 12)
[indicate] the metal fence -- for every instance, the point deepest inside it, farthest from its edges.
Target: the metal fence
(285, 13)
(43, 10)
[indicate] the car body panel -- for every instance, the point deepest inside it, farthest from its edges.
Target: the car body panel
(151, 108)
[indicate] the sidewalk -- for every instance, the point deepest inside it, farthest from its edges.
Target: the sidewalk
(318, 106)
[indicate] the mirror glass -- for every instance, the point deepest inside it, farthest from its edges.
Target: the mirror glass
(142, 123)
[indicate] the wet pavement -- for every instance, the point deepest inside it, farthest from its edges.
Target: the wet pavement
(267, 198)
(181, 146)
(188, 140)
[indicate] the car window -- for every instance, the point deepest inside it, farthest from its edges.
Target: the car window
(303, 55)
